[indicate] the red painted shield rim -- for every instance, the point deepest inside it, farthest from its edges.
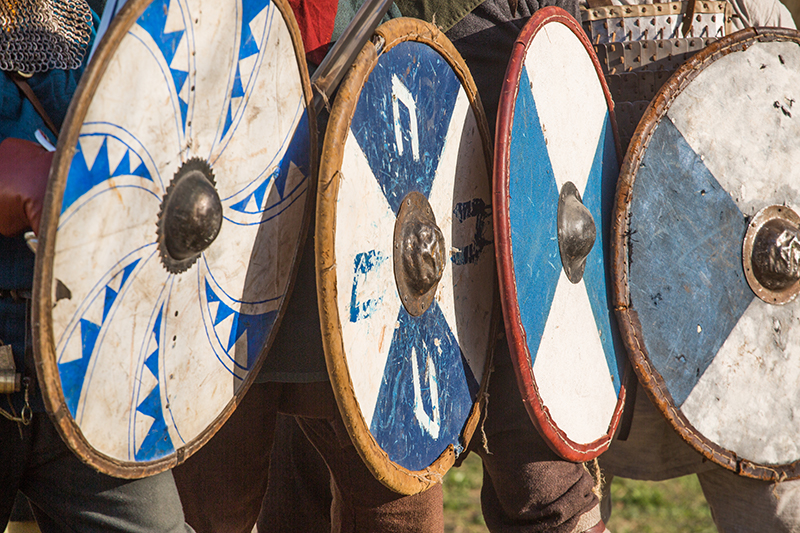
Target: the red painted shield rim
(553, 435)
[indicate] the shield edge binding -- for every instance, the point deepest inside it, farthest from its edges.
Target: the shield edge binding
(44, 348)
(390, 34)
(627, 317)
(554, 436)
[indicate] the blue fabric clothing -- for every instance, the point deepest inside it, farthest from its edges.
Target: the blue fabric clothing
(66, 495)
(19, 119)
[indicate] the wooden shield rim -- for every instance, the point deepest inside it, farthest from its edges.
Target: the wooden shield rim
(389, 35)
(553, 435)
(627, 316)
(44, 349)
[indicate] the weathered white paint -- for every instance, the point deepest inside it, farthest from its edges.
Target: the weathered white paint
(465, 292)
(734, 114)
(569, 99)
(570, 367)
(365, 223)
(137, 103)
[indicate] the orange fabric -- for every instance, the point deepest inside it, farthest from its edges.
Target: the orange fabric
(24, 169)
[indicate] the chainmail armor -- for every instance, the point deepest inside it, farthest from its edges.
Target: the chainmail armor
(40, 35)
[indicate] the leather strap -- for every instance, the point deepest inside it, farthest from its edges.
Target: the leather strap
(14, 294)
(22, 83)
(598, 3)
(688, 17)
(631, 385)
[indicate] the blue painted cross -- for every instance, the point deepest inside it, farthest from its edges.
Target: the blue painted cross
(401, 124)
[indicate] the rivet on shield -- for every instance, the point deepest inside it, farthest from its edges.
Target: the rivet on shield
(771, 254)
(576, 232)
(190, 216)
(419, 253)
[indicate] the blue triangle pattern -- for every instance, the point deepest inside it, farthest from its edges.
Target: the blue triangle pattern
(675, 189)
(126, 274)
(73, 373)
(110, 296)
(257, 329)
(124, 166)
(228, 121)
(157, 443)
(298, 153)
(210, 295)
(153, 21)
(151, 406)
(81, 178)
(250, 9)
(598, 197)
(238, 90)
(396, 423)
(142, 172)
(386, 140)
(223, 312)
(532, 213)
(247, 48)
(257, 196)
(152, 362)
(179, 77)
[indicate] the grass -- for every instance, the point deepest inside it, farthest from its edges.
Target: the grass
(462, 498)
(670, 506)
(659, 507)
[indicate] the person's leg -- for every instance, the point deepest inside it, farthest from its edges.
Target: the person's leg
(69, 495)
(361, 504)
(743, 505)
(13, 456)
(526, 486)
(22, 519)
(298, 498)
(223, 484)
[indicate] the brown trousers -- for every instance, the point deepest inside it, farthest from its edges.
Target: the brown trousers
(223, 485)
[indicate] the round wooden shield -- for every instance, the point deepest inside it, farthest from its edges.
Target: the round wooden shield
(712, 164)
(405, 263)
(556, 167)
(175, 209)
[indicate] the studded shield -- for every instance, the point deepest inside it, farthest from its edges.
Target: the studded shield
(556, 167)
(707, 256)
(405, 259)
(175, 209)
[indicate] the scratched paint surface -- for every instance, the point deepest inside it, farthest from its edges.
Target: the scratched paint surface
(148, 359)
(562, 132)
(730, 360)
(415, 378)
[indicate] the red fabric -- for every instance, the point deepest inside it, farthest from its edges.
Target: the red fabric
(316, 19)
(24, 168)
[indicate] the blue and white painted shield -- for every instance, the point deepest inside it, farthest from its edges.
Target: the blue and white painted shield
(556, 128)
(721, 362)
(150, 359)
(406, 384)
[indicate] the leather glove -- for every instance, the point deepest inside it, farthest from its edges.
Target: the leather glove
(24, 168)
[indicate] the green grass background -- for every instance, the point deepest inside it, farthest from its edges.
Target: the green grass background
(670, 506)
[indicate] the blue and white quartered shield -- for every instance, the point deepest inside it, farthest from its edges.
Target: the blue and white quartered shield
(405, 259)
(707, 252)
(556, 168)
(176, 207)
